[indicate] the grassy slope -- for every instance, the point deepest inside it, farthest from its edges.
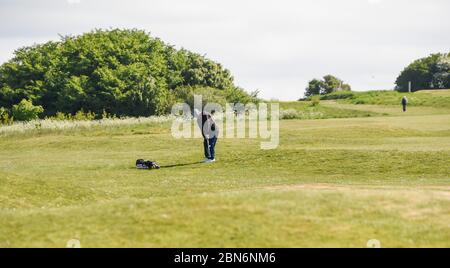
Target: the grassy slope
(334, 182)
(353, 104)
(430, 98)
(306, 111)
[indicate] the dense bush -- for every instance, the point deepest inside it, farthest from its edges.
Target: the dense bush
(338, 95)
(26, 111)
(5, 117)
(121, 72)
(231, 95)
(432, 72)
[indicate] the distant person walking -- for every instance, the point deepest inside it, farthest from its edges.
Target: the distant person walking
(404, 103)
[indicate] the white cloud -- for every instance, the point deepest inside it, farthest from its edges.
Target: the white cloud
(374, 1)
(73, 2)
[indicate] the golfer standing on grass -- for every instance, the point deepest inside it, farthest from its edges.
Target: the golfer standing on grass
(210, 132)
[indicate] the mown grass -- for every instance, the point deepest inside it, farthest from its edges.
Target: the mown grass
(304, 110)
(324, 216)
(330, 183)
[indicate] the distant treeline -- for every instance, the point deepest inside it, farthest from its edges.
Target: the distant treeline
(120, 72)
(432, 72)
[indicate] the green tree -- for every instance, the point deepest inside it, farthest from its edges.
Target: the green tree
(315, 87)
(441, 78)
(331, 84)
(121, 72)
(327, 85)
(432, 72)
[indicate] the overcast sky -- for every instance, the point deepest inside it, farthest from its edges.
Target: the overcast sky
(273, 46)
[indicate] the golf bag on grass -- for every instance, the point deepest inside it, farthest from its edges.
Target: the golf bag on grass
(142, 164)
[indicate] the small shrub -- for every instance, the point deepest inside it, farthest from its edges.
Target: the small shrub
(26, 111)
(289, 114)
(81, 115)
(106, 115)
(62, 116)
(315, 100)
(5, 118)
(338, 95)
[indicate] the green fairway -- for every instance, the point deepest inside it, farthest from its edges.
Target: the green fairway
(335, 182)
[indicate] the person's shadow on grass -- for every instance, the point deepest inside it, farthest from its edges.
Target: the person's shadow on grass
(180, 165)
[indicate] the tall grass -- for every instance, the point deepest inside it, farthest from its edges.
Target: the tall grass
(55, 124)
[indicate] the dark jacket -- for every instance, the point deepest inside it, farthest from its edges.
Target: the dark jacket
(207, 125)
(404, 101)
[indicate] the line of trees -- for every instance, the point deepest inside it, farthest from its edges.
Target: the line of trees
(432, 72)
(120, 72)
